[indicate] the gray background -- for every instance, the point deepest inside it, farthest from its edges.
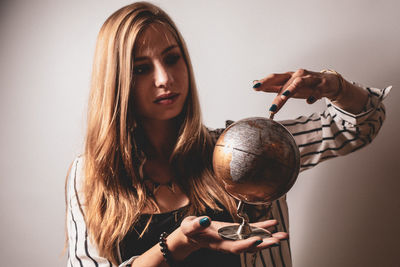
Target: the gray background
(343, 213)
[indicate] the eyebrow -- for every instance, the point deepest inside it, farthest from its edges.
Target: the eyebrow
(166, 50)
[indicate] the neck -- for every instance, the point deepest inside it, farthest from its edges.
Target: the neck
(161, 137)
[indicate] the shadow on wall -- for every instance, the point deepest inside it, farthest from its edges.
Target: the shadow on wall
(346, 211)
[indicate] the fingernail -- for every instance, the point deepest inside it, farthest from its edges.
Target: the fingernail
(273, 108)
(205, 222)
(258, 242)
(256, 85)
(275, 245)
(286, 93)
(311, 99)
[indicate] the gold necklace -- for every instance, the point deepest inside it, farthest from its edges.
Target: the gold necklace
(152, 187)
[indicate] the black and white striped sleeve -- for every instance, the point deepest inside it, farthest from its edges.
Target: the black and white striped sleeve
(81, 250)
(336, 132)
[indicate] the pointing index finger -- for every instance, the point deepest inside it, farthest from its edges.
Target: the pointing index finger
(299, 87)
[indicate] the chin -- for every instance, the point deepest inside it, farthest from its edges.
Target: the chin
(171, 116)
(165, 115)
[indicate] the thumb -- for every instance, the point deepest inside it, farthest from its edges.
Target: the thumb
(192, 225)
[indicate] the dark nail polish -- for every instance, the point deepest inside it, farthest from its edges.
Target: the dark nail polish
(275, 245)
(311, 99)
(256, 85)
(205, 222)
(286, 93)
(273, 108)
(258, 242)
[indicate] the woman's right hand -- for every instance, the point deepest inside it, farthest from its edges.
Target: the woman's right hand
(201, 232)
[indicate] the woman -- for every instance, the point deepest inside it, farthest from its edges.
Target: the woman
(136, 178)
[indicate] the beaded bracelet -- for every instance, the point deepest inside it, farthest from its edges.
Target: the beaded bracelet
(164, 249)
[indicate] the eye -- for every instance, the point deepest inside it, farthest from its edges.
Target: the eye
(172, 59)
(141, 69)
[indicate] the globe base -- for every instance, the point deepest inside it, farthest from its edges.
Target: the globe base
(232, 232)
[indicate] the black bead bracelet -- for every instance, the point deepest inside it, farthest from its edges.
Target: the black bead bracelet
(164, 249)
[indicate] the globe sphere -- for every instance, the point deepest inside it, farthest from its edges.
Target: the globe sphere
(257, 160)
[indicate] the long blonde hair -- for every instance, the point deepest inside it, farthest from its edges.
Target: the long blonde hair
(114, 192)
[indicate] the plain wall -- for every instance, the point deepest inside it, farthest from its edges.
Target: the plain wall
(344, 212)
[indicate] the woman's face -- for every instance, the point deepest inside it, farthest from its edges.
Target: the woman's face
(160, 73)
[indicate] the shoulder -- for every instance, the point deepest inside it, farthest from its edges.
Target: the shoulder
(76, 177)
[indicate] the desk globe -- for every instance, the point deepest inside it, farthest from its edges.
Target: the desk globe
(257, 161)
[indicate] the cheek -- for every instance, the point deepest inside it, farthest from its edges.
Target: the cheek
(142, 88)
(183, 76)
(139, 99)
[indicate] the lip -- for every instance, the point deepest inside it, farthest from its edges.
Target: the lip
(166, 99)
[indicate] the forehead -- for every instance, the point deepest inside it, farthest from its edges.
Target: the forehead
(153, 40)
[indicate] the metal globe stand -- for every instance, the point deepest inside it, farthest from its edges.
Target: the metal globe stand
(244, 230)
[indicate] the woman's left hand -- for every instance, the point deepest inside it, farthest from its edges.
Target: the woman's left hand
(201, 235)
(303, 84)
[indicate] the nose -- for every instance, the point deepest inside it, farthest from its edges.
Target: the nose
(162, 76)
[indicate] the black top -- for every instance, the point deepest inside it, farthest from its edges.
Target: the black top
(132, 245)
(168, 222)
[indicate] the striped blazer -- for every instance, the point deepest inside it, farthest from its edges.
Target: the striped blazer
(320, 136)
